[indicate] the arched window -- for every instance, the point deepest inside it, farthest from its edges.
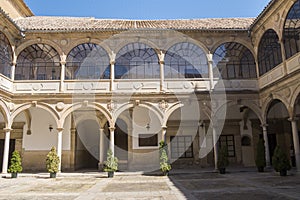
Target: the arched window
(291, 32)
(185, 60)
(5, 56)
(137, 61)
(87, 61)
(234, 61)
(38, 62)
(269, 52)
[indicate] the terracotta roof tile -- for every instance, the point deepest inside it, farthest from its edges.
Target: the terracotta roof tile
(41, 23)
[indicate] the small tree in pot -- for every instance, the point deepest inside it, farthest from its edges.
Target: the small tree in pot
(165, 166)
(260, 160)
(280, 161)
(52, 162)
(15, 164)
(111, 164)
(223, 161)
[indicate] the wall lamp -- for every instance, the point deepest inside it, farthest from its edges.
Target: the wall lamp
(50, 128)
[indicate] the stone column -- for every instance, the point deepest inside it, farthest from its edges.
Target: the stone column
(216, 147)
(13, 64)
(162, 72)
(101, 147)
(112, 70)
(296, 143)
(62, 72)
(73, 148)
(59, 146)
(112, 140)
(164, 134)
(210, 71)
(265, 134)
(6, 150)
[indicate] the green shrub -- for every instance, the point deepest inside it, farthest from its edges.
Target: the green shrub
(280, 160)
(260, 159)
(15, 163)
(52, 161)
(111, 163)
(223, 161)
(165, 166)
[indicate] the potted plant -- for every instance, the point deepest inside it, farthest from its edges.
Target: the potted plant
(52, 162)
(260, 160)
(15, 165)
(223, 161)
(165, 166)
(280, 161)
(111, 164)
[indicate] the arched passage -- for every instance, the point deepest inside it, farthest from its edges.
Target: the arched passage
(278, 127)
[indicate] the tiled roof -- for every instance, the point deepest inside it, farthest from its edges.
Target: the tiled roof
(41, 23)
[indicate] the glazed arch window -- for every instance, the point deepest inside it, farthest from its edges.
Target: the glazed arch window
(137, 61)
(291, 32)
(234, 61)
(5, 56)
(87, 61)
(269, 52)
(38, 62)
(185, 60)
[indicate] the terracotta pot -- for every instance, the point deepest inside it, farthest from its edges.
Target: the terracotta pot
(260, 169)
(222, 170)
(283, 172)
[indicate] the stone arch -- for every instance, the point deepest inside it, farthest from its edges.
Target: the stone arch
(41, 105)
(170, 111)
(137, 39)
(129, 105)
(79, 105)
(24, 45)
(269, 42)
(255, 108)
(83, 41)
(266, 105)
(236, 40)
(10, 38)
(5, 113)
(184, 39)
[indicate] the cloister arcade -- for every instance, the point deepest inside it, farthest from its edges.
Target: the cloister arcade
(197, 90)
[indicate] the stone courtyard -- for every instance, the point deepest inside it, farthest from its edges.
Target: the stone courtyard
(180, 184)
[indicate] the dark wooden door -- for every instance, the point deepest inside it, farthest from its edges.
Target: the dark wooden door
(11, 149)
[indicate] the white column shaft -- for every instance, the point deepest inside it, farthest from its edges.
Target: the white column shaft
(162, 76)
(216, 149)
(62, 77)
(59, 148)
(296, 143)
(101, 145)
(265, 135)
(6, 151)
(112, 76)
(112, 141)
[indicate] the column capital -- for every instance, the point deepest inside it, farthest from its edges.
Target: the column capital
(293, 119)
(112, 128)
(59, 129)
(7, 129)
(164, 127)
(264, 125)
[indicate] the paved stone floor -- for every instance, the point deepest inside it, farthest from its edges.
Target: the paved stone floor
(179, 185)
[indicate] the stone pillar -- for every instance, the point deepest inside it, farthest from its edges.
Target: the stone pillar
(162, 72)
(112, 140)
(210, 71)
(101, 147)
(112, 70)
(216, 147)
(73, 147)
(164, 134)
(13, 64)
(6, 150)
(296, 143)
(59, 146)
(62, 72)
(283, 55)
(265, 134)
